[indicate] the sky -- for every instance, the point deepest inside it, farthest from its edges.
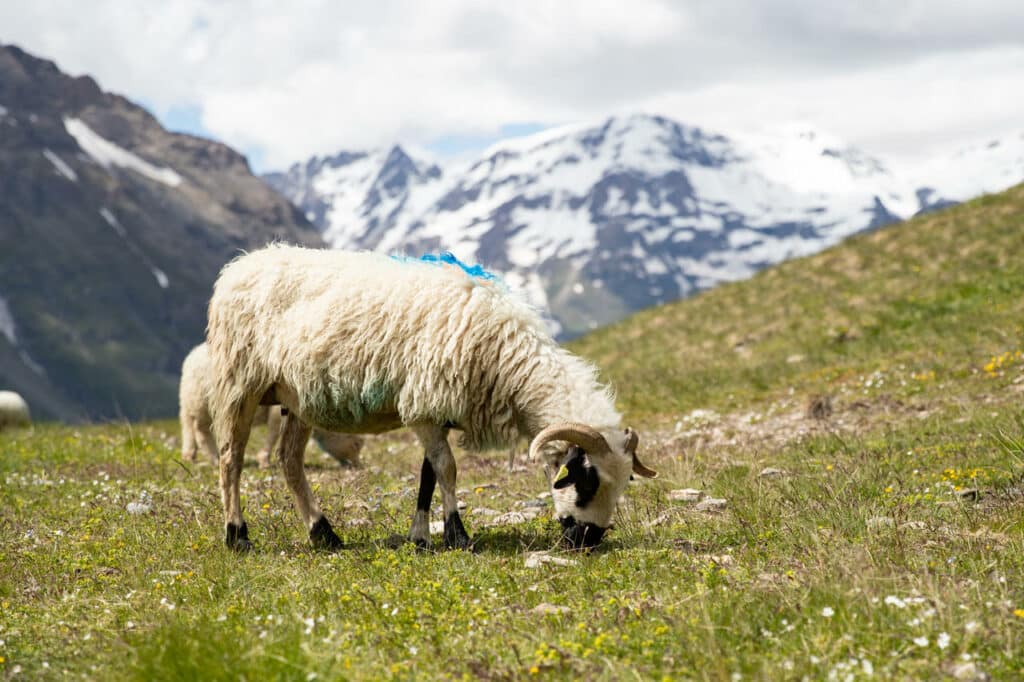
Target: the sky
(901, 79)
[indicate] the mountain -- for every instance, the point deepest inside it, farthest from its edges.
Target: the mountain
(597, 221)
(112, 231)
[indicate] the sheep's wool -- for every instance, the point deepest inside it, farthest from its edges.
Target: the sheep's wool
(13, 410)
(359, 338)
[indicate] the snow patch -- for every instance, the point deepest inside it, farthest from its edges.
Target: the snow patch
(7, 327)
(31, 364)
(59, 163)
(112, 221)
(107, 154)
(161, 278)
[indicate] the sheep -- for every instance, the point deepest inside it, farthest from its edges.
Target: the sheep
(13, 410)
(196, 422)
(362, 342)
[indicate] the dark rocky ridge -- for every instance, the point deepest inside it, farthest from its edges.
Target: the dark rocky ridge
(97, 334)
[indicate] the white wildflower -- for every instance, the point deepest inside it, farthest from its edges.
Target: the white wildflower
(828, 612)
(943, 641)
(921, 641)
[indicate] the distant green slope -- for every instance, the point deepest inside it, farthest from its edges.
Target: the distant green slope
(940, 295)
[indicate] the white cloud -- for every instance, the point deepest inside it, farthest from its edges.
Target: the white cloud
(294, 79)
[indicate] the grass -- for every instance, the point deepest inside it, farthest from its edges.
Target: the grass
(892, 545)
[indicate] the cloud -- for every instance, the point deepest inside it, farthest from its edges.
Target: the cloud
(289, 80)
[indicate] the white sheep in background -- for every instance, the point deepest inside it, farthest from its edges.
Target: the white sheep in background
(13, 410)
(360, 342)
(196, 422)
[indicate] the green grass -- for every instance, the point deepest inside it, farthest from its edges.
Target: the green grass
(866, 557)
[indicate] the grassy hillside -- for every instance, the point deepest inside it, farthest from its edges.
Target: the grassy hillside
(880, 536)
(929, 303)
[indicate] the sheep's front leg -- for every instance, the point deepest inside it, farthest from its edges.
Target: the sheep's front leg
(294, 437)
(439, 455)
(420, 532)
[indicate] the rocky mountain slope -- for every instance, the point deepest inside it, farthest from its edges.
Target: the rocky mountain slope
(112, 231)
(596, 221)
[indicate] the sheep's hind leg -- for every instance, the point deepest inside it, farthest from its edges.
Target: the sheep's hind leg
(204, 436)
(294, 436)
(420, 532)
(439, 454)
(236, 533)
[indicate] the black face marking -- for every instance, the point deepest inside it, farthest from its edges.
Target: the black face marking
(455, 535)
(322, 536)
(580, 535)
(237, 537)
(582, 475)
(428, 480)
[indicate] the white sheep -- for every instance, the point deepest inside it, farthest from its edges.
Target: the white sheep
(13, 410)
(360, 342)
(196, 422)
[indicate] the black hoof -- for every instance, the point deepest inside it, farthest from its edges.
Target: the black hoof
(322, 536)
(455, 535)
(421, 543)
(237, 537)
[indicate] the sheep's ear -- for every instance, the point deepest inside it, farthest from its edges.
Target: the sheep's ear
(571, 469)
(639, 468)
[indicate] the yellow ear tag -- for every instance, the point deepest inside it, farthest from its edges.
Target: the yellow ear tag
(562, 473)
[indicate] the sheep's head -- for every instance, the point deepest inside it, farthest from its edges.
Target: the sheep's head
(588, 475)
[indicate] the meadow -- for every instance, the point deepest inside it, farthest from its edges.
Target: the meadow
(841, 447)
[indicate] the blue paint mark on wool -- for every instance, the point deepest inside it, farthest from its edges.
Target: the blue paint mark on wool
(449, 258)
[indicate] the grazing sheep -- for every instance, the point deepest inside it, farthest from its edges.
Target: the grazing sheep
(13, 410)
(360, 342)
(196, 423)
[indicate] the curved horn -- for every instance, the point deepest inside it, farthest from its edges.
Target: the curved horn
(639, 468)
(585, 436)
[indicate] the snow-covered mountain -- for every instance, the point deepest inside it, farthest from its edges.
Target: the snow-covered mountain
(596, 221)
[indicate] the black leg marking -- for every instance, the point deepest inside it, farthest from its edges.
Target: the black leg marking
(455, 535)
(322, 536)
(428, 481)
(237, 537)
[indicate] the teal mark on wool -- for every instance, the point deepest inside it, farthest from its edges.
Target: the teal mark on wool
(448, 258)
(342, 407)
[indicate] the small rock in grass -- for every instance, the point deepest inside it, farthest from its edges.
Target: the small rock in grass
(544, 495)
(876, 522)
(460, 505)
(719, 559)
(971, 494)
(794, 359)
(513, 517)
(712, 504)
(685, 495)
(914, 525)
(533, 503)
(545, 609)
(538, 559)
(484, 511)
(659, 520)
(436, 527)
(772, 472)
